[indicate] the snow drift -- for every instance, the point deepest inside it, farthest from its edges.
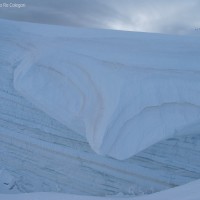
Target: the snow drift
(123, 91)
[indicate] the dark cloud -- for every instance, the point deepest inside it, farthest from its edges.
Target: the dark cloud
(172, 16)
(87, 13)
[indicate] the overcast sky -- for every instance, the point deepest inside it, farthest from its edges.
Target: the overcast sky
(164, 16)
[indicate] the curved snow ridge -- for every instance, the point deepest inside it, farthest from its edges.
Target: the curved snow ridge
(189, 191)
(121, 104)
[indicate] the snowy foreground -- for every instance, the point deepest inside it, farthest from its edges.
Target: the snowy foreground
(122, 92)
(186, 192)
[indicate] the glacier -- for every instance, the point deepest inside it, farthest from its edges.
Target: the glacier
(39, 145)
(123, 92)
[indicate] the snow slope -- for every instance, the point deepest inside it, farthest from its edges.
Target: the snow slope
(185, 192)
(41, 154)
(123, 91)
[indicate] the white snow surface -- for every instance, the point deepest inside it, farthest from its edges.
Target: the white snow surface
(123, 91)
(189, 191)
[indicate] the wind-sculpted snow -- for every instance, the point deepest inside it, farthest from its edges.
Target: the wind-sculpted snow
(37, 153)
(124, 91)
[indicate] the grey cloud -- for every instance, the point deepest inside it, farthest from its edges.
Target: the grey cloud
(172, 16)
(87, 13)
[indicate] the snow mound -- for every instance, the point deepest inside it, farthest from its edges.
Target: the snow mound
(123, 91)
